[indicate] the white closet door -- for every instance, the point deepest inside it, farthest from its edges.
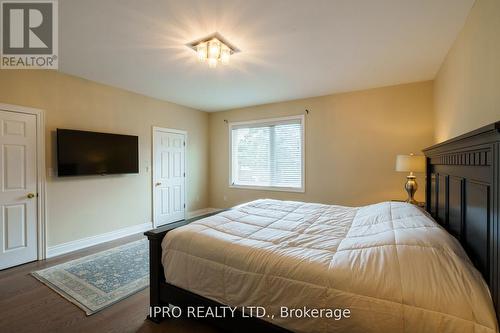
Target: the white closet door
(169, 176)
(18, 189)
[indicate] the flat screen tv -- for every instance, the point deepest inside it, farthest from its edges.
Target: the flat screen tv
(93, 153)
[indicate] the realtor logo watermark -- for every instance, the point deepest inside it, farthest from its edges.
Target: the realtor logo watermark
(29, 35)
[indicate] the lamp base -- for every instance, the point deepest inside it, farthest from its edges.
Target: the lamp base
(411, 187)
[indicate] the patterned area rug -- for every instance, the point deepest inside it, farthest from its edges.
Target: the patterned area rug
(102, 279)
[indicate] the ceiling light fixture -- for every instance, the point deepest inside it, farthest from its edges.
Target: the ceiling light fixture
(213, 49)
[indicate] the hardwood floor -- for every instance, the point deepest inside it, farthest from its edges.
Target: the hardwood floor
(27, 305)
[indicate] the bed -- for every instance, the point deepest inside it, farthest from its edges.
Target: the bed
(391, 264)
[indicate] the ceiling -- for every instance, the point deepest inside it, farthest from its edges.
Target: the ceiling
(290, 49)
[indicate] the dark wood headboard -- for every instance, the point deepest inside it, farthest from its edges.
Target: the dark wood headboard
(462, 194)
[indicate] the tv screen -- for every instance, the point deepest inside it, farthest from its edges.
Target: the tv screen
(93, 153)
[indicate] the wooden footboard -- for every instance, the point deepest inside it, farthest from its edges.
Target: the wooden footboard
(156, 275)
(163, 294)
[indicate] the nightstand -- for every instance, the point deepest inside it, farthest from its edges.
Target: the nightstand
(419, 204)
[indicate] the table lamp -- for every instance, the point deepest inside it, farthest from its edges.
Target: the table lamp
(410, 163)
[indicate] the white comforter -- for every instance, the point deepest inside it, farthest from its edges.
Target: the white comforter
(389, 263)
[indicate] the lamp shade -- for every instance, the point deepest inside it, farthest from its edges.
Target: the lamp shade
(410, 163)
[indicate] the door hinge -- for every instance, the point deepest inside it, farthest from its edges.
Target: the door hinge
(184, 205)
(184, 174)
(184, 143)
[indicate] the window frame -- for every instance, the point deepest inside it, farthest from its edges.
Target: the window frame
(265, 121)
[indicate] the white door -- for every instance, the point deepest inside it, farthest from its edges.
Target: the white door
(169, 176)
(18, 188)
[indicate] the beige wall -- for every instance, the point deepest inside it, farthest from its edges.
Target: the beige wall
(79, 207)
(351, 138)
(351, 144)
(467, 87)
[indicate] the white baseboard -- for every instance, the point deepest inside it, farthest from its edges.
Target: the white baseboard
(79, 244)
(200, 212)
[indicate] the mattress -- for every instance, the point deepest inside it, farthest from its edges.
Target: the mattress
(389, 264)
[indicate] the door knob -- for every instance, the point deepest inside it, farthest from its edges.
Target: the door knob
(158, 184)
(31, 195)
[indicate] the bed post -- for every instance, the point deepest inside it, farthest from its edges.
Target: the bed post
(157, 294)
(428, 180)
(156, 276)
(154, 273)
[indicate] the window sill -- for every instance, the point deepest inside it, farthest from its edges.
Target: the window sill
(268, 188)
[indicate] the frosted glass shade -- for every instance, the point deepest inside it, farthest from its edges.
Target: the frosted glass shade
(410, 163)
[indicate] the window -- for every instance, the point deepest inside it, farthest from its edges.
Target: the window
(268, 154)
